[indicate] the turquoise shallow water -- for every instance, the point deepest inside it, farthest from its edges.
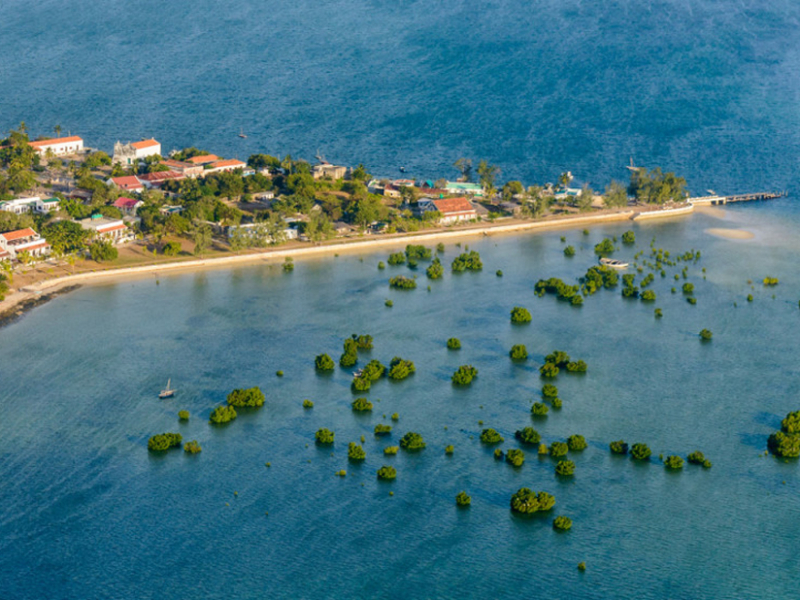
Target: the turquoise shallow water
(87, 512)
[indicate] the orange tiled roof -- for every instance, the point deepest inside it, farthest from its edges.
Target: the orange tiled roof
(145, 144)
(453, 205)
(54, 141)
(231, 162)
(19, 234)
(128, 182)
(157, 176)
(201, 160)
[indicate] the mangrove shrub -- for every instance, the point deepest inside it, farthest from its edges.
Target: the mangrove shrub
(412, 441)
(520, 315)
(490, 436)
(164, 441)
(526, 501)
(250, 397)
(324, 436)
(528, 435)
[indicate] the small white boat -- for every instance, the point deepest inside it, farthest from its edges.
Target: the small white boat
(613, 263)
(167, 392)
(357, 373)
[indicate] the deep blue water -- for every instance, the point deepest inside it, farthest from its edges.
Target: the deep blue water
(708, 88)
(87, 512)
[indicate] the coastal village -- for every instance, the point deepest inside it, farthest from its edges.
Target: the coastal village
(67, 208)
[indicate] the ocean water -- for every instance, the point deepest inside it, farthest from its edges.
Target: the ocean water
(87, 512)
(707, 88)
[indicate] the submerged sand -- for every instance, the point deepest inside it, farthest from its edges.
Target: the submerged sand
(712, 211)
(731, 234)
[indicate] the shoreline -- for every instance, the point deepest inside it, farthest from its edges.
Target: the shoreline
(29, 297)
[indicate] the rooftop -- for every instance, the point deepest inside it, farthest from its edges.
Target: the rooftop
(151, 143)
(453, 205)
(201, 160)
(230, 162)
(126, 202)
(19, 234)
(54, 141)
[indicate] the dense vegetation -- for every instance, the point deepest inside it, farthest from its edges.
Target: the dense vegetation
(526, 501)
(673, 462)
(515, 457)
(698, 458)
(605, 247)
(453, 344)
(558, 449)
(562, 523)
(164, 441)
(435, 270)
(355, 452)
(518, 352)
(565, 468)
(539, 410)
(464, 375)
(618, 447)
(468, 261)
(250, 397)
(222, 414)
(400, 368)
(520, 315)
(462, 499)
(402, 283)
(192, 447)
(323, 362)
(640, 451)
(490, 436)
(412, 441)
(183, 415)
(576, 443)
(324, 436)
(381, 429)
(528, 435)
(387, 472)
(361, 405)
(786, 442)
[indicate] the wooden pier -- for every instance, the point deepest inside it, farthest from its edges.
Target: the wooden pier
(757, 196)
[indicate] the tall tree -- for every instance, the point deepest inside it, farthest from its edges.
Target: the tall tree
(464, 166)
(57, 129)
(616, 195)
(487, 174)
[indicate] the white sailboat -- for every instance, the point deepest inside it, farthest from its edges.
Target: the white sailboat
(167, 392)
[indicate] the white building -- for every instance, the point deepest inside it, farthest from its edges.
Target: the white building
(113, 230)
(27, 240)
(59, 146)
(19, 206)
(132, 153)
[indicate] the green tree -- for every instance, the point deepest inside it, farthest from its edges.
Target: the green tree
(103, 250)
(463, 499)
(486, 175)
(528, 435)
(616, 195)
(584, 198)
(202, 238)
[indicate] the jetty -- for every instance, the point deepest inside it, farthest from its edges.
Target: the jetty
(753, 197)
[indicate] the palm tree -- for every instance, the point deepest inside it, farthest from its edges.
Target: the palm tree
(22, 127)
(57, 129)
